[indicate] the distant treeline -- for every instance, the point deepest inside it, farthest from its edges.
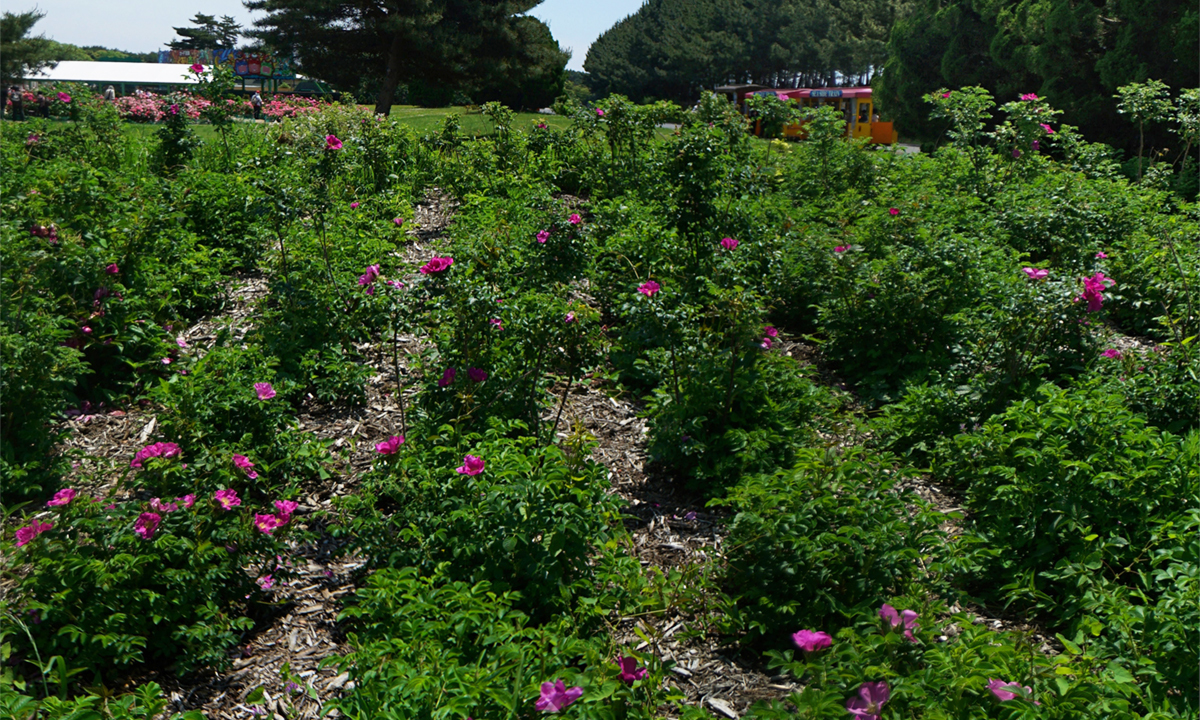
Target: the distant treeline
(66, 51)
(1075, 53)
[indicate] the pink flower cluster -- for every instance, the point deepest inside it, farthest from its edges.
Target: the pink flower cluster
(244, 463)
(770, 334)
(390, 446)
(266, 524)
(30, 531)
(811, 641)
(556, 695)
(1093, 291)
(148, 107)
(165, 450)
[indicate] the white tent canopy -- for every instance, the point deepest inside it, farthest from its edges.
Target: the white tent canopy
(113, 73)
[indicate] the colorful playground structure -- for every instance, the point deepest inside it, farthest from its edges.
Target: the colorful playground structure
(854, 103)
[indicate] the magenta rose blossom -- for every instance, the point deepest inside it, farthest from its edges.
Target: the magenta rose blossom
(196, 68)
(570, 318)
(496, 323)
(285, 508)
(436, 265)
(112, 269)
(447, 377)
(649, 287)
(390, 446)
(1029, 96)
(188, 501)
(332, 143)
(1112, 353)
(729, 243)
(62, 497)
(894, 211)
(630, 672)
(244, 463)
(399, 221)
(165, 450)
(146, 524)
(354, 205)
(158, 506)
(476, 375)
(1101, 256)
(543, 236)
(227, 499)
(266, 582)
(471, 466)
(1093, 291)
(266, 524)
(556, 695)
(1006, 691)
(841, 248)
(264, 390)
(1049, 130)
(1035, 273)
(811, 640)
(907, 618)
(870, 701)
(63, 97)
(30, 531)
(574, 219)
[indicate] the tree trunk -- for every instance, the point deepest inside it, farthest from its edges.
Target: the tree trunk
(383, 101)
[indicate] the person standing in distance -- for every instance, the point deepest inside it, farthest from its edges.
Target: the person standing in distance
(256, 103)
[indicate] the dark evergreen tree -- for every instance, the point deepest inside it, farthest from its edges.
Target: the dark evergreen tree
(207, 33)
(20, 54)
(451, 45)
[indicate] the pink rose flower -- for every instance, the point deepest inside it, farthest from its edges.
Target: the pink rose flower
(630, 672)
(556, 696)
(811, 640)
(112, 269)
(570, 318)
(729, 243)
(196, 68)
(893, 211)
(266, 582)
(158, 505)
(472, 465)
(1035, 273)
(1006, 691)
(543, 236)
(244, 463)
(574, 219)
(264, 390)
(870, 701)
(147, 524)
(354, 205)
(164, 450)
(285, 508)
(1112, 353)
(649, 287)
(30, 531)
(841, 248)
(266, 524)
(62, 497)
(1049, 130)
(476, 375)
(227, 499)
(332, 143)
(390, 446)
(436, 265)
(907, 618)
(1029, 96)
(447, 377)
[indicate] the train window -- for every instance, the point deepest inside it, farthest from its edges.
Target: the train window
(864, 111)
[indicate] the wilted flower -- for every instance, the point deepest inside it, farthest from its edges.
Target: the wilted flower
(30, 531)
(496, 322)
(389, 446)
(286, 508)
(630, 672)
(543, 236)
(447, 377)
(436, 265)
(62, 497)
(574, 219)
(1016, 153)
(146, 524)
(1035, 273)
(332, 143)
(1049, 130)
(471, 466)
(158, 505)
(907, 618)
(227, 498)
(370, 275)
(766, 343)
(729, 243)
(811, 640)
(1006, 691)
(770, 331)
(159, 449)
(264, 390)
(1101, 256)
(1036, 144)
(476, 375)
(556, 695)
(181, 342)
(570, 318)
(649, 287)
(244, 463)
(1093, 289)
(266, 582)
(870, 701)
(112, 269)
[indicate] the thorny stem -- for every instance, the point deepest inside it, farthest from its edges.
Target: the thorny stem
(396, 366)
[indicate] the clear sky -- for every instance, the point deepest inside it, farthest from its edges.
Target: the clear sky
(146, 25)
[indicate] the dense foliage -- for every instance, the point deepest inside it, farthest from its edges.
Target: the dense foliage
(1009, 318)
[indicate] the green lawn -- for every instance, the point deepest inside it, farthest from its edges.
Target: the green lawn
(473, 122)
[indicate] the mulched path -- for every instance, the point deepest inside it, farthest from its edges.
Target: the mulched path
(670, 529)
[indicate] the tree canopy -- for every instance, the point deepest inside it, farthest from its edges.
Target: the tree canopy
(674, 48)
(208, 32)
(1076, 54)
(21, 54)
(486, 48)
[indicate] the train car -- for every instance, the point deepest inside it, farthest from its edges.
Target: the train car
(854, 103)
